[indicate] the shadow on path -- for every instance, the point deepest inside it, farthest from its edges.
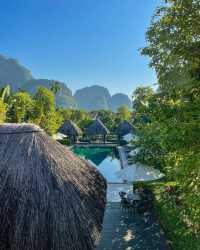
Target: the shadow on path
(127, 230)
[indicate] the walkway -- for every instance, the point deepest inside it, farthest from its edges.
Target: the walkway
(127, 230)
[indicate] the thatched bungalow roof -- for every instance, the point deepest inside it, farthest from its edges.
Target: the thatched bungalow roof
(124, 128)
(49, 198)
(70, 128)
(97, 128)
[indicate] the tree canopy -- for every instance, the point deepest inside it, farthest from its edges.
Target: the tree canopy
(40, 108)
(170, 138)
(2, 111)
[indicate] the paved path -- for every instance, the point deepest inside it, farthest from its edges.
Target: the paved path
(127, 230)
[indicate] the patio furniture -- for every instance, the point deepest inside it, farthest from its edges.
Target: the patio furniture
(133, 197)
(126, 204)
(129, 199)
(122, 194)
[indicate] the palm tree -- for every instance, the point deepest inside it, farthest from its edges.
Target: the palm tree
(5, 93)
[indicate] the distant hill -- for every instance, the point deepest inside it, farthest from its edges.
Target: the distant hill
(19, 77)
(64, 96)
(119, 100)
(88, 98)
(92, 98)
(98, 97)
(13, 73)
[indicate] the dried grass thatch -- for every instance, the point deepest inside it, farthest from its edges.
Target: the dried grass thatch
(97, 128)
(124, 128)
(49, 198)
(70, 128)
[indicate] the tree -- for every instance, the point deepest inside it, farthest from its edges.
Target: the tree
(5, 93)
(173, 43)
(81, 118)
(2, 111)
(141, 97)
(124, 113)
(65, 113)
(171, 140)
(44, 113)
(109, 118)
(21, 107)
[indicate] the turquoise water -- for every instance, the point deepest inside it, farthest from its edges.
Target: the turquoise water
(104, 159)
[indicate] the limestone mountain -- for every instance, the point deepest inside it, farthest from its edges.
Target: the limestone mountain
(97, 97)
(92, 98)
(13, 73)
(89, 98)
(119, 100)
(19, 77)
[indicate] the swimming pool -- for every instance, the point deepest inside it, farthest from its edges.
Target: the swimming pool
(105, 159)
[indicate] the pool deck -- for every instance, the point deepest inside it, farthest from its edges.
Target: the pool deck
(127, 230)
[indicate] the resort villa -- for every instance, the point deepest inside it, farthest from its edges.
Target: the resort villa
(100, 137)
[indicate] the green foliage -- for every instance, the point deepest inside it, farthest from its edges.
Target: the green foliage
(44, 101)
(65, 113)
(80, 117)
(40, 109)
(2, 111)
(109, 118)
(170, 138)
(20, 108)
(124, 113)
(171, 216)
(5, 93)
(44, 113)
(65, 141)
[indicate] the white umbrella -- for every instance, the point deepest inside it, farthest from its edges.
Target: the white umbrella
(59, 136)
(138, 172)
(134, 152)
(128, 137)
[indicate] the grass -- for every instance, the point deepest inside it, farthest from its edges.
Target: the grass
(170, 216)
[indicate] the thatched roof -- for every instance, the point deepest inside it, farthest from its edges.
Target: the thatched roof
(49, 198)
(124, 128)
(97, 128)
(70, 128)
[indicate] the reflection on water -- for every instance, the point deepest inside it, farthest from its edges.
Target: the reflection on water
(104, 159)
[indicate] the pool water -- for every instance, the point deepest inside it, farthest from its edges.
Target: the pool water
(105, 159)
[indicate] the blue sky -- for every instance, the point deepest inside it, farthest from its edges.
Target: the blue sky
(80, 42)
